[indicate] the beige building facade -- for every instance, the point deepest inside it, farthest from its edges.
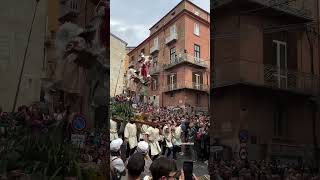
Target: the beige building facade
(16, 17)
(118, 58)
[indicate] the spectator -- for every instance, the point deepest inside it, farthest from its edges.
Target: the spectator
(164, 169)
(116, 164)
(135, 166)
(143, 148)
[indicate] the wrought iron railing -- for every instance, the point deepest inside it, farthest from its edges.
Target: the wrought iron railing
(70, 7)
(265, 75)
(171, 38)
(154, 69)
(154, 48)
(182, 58)
(187, 85)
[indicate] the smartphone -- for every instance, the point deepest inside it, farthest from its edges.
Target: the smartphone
(188, 170)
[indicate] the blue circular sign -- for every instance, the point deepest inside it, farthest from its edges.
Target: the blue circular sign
(243, 136)
(79, 122)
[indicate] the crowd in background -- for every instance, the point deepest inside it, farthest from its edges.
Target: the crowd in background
(262, 170)
(163, 132)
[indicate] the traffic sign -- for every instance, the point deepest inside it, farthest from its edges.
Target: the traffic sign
(243, 136)
(79, 122)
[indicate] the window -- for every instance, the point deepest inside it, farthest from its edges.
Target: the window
(196, 30)
(172, 81)
(154, 84)
(142, 50)
(279, 51)
(197, 80)
(173, 54)
(132, 58)
(173, 30)
(155, 61)
(198, 98)
(197, 53)
(280, 121)
(155, 42)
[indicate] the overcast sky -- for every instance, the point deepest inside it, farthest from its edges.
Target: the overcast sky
(131, 19)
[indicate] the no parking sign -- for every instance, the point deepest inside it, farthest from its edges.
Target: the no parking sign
(79, 122)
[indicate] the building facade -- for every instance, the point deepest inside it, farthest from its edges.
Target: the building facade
(16, 20)
(266, 78)
(118, 53)
(179, 44)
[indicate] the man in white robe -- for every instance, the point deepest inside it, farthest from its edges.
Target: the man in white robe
(153, 137)
(113, 130)
(167, 135)
(176, 139)
(130, 135)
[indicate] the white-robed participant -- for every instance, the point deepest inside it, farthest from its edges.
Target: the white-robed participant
(144, 129)
(130, 134)
(167, 135)
(153, 137)
(113, 130)
(176, 139)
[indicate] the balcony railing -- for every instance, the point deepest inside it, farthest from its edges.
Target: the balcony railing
(186, 85)
(154, 48)
(70, 7)
(171, 38)
(247, 72)
(185, 58)
(301, 8)
(154, 70)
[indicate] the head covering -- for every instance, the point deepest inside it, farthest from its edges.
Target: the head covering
(116, 144)
(143, 147)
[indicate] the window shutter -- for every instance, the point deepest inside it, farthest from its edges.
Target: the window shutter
(201, 78)
(194, 77)
(168, 79)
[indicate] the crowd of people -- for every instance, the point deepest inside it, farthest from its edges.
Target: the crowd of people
(163, 132)
(262, 170)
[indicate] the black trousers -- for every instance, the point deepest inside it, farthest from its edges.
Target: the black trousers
(175, 150)
(130, 151)
(165, 149)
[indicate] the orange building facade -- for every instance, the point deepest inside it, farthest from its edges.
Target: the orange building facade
(180, 46)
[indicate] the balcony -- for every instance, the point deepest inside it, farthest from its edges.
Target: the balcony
(171, 38)
(299, 8)
(155, 70)
(186, 85)
(185, 58)
(154, 49)
(252, 73)
(69, 8)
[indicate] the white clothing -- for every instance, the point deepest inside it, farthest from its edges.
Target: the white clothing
(167, 136)
(117, 163)
(113, 130)
(130, 132)
(153, 141)
(144, 129)
(176, 139)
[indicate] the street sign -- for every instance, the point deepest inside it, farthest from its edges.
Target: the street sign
(78, 139)
(79, 122)
(216, 148)
(243, 136)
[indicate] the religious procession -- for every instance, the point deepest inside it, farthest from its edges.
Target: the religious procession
(160, 134)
